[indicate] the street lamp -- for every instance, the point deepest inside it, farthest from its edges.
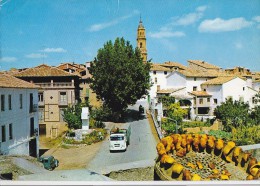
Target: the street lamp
(175, 123)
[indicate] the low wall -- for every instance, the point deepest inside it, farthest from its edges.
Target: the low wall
(215, 126)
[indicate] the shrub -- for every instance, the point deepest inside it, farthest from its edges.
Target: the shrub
(191, 124)
(246, 135)
(221, 134)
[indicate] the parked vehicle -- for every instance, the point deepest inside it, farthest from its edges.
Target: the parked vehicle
(120, 137)
(141, 109)
(49, 162)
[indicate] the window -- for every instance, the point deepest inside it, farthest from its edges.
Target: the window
(208, 99)
(31, 103)
(141, 45)
(203, 110)
(165, 72)
(63, 97)
(155, 80)
(194, 99)
(2, 102)
(3, 133)
(215, 101)
(241, 99)
(204, 90)
(32, 127)
(194, 88)
(10, 131)
(40, 97)
(195, 79)
(154, 72)
(21, 101)
(10, 102)
(201, 101)
(243, 88)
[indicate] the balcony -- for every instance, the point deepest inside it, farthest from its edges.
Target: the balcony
(41, 103)
(56, 85)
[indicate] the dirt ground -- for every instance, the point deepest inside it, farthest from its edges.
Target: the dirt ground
(73, 157)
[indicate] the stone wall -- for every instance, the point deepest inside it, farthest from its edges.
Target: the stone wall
(215, 126)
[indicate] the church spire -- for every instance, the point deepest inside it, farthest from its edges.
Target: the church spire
(141, 39)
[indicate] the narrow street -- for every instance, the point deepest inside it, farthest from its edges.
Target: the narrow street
(140, 152)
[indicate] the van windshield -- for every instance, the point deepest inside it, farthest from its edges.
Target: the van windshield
(116, 138)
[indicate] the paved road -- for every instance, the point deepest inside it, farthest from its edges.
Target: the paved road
(140, 151)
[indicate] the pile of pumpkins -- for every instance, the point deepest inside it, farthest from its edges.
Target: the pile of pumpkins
(181, 144)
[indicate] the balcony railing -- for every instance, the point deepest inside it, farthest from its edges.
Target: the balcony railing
(41, 103)
(56, 85)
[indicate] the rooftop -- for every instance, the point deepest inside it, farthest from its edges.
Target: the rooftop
(203, 64)
(219, 80)
(200, 93)
(169, 91)
(173, 64)
(8, 81)
(159, 67)
(42, 71)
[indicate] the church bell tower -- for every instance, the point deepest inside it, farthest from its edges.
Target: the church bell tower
(141, 40)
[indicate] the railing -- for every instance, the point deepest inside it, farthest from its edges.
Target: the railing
(41, 103)
(55, 84)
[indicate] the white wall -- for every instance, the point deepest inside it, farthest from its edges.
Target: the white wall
(249, 94)
(20, 119)
(161, 80)
(191, 82)
(235, 88)
(216, 92)
(256, 86)
(176, 80)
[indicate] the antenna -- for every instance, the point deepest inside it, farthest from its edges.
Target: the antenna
(140, 18)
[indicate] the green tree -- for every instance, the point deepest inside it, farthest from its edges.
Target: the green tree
(257, 98)
(166, 100)
(174, 112)
(255, 115)
(232, 113)
(72, 115)
(119, 75)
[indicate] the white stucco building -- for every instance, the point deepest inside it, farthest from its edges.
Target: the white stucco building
(201, 86)
(18, 117)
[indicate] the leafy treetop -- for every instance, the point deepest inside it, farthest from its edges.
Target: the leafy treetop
(119, 75)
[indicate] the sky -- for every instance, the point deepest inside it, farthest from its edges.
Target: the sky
(225, 33)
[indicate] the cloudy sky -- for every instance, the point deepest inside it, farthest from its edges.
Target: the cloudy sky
(222, 32)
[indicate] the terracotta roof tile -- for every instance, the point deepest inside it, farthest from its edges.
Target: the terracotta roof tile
(219, 80)
(42, 71)
(159, 67)
(198, 73)
(173, 64)
(8, 81)
(200, 93)
(204, 64)
(169, 91)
